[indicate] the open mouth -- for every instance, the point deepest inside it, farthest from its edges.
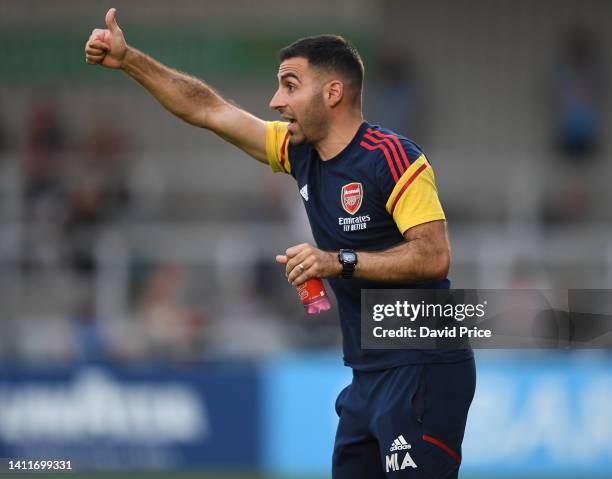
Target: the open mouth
(291, 127)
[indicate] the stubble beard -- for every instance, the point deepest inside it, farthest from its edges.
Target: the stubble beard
(314, 124)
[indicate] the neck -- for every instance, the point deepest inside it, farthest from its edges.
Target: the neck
(338, 137)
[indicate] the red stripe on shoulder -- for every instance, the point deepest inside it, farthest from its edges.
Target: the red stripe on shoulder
(283, 159)
(369, 147)
(391, 146)
(444, 447)
(406, 185)
(396, 141)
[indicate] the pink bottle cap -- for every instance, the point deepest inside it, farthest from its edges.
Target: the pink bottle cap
(317, 306)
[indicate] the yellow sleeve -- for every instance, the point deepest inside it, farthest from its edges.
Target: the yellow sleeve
(277, 146)
(414, 199)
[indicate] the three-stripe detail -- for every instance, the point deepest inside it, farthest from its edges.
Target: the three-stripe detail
(401, 440)
(406, 185)
(399, 443)
(394, 152)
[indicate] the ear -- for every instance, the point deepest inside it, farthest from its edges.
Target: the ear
(334, 92)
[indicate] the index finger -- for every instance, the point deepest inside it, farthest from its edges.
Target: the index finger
(97, 45)
(295, 250)
(97, 34)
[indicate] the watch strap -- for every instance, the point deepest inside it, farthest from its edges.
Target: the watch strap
(348, 267)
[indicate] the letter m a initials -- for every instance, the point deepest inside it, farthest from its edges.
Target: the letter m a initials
(392, 462)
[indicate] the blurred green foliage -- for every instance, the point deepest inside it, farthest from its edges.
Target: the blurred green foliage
(51, 55)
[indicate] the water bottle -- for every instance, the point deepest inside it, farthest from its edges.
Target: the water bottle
(313, 296)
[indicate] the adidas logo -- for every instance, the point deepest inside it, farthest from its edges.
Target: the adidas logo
(400, 444)
(392, 461)
(304, 192)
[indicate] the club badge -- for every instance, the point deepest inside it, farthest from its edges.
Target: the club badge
(351, 197)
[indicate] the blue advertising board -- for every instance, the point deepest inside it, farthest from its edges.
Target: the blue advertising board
(541, 413)
(299, 419)
(533, 414)
(103, 417)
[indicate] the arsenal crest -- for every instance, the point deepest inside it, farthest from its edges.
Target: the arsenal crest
(351, 197)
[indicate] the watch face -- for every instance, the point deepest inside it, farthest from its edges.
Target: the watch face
(348, 257)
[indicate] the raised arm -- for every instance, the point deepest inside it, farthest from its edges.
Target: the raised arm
(185, 96)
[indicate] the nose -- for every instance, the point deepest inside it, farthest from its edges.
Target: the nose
(277, 102)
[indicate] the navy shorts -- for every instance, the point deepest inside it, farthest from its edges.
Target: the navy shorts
(404, 422)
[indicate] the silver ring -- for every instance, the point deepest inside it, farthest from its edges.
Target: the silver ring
(301, 266)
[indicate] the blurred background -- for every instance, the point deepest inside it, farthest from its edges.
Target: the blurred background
(144, 324)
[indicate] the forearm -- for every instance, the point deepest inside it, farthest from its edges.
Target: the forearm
(410, 262)
(424, 256)
(183, 95)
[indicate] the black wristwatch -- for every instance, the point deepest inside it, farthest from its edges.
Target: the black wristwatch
(348, 260)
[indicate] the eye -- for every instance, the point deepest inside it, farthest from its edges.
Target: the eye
(291, 86)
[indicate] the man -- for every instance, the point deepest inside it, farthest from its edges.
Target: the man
(373, 207)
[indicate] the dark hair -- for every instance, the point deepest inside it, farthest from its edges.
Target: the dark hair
(329, 52)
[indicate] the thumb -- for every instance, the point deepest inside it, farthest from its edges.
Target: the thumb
(111, 21)
(281, 258)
